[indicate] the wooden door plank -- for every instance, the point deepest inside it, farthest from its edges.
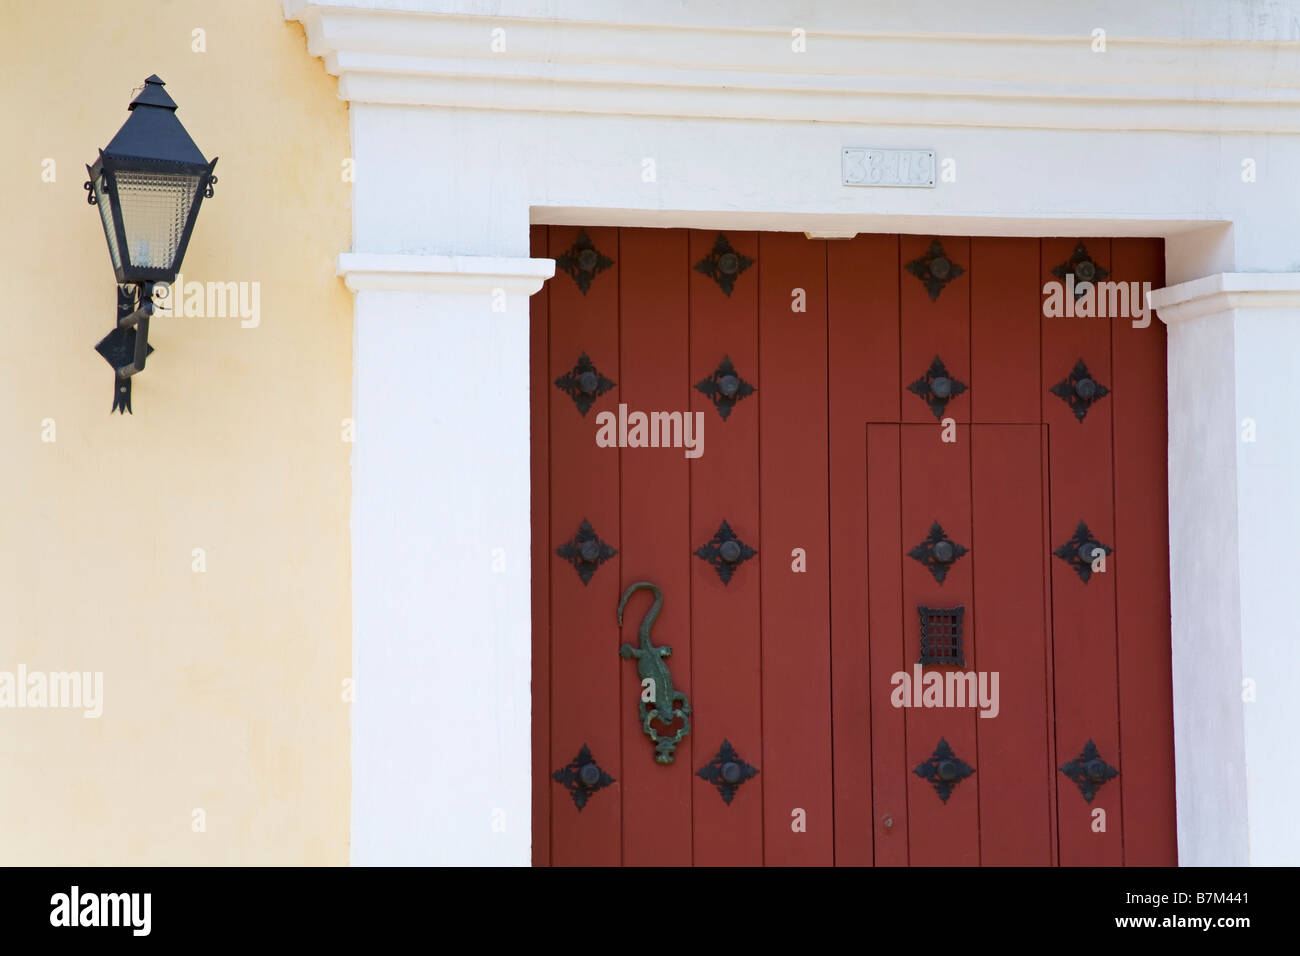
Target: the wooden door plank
(862, 385)
(934, 327)
(585, 666)
(1005, 298)
(653, 338)
(795, 604)
(1015, 775)
(863, 330)
(725, 647)
(887, 643)
(937, 489)
(1142, 578)
(1083, 613)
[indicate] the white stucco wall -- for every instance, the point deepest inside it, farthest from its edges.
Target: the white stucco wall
(1266, 354)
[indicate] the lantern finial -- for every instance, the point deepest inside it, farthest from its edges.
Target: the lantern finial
(153, 94)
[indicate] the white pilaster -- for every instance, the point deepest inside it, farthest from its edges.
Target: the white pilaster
(440, 524)
(1234, 521)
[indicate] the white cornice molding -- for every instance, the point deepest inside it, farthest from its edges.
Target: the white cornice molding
(1225, 292)
(456, 274)
(564, 58)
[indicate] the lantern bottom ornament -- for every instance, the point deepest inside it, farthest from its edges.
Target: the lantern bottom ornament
(127, 347)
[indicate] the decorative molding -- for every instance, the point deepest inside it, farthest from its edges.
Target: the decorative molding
(1224, 292)
(998, 68)
(458, 274)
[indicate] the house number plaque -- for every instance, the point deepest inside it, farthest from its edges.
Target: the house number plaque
(868, 166)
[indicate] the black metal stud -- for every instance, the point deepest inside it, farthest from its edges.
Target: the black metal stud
(937, 552)
(726, 771)
(584, 384)
(724, 264)
(725, 388)
(1080, 551)
(1079, 390)
(725, 552)
(1083, 268)
(944, 770)
(937, 388)
(941, 641)
(935, 269)
(1088, 771)
(582, 777)
(585, 551)
(582, 261)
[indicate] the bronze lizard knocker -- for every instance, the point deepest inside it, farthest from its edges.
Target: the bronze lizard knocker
(651, 665)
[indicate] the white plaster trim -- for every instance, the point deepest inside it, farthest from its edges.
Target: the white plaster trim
(632, 59)
(1226, 291)
(460, 274)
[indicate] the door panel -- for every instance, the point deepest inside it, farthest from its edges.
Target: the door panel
(1015, 763)
(585, 667)
(832, 461)
(889, 648)
(1004, 318)
(795, 603)
(936, 490)
(653, 318)
(862, 385)
(1142, 579)
(725, 617)
(1083, 615)
(935, 322)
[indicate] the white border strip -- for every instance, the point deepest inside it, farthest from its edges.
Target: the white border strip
(364, 271)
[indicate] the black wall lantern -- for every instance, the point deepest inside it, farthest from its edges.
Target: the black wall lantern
(148, 184)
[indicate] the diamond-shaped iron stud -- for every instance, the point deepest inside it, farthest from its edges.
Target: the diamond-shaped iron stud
(937, 552)
(725, 388)
(937, 388)
(724, 264)
(585, 551)
(582, 777)
(935, 269)
(1083, 268)
(726, 771)
(1079, 390)
(944, 770)
(582, 261)
(725, 552)
(1080, 551)
(584, 384)
(1088, 771)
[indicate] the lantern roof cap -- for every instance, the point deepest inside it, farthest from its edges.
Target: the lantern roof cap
(152, 131)
(153, 94)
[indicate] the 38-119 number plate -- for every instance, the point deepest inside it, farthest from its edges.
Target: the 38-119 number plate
(866, 166)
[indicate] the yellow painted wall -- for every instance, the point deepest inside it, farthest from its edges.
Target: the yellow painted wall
(222, 690)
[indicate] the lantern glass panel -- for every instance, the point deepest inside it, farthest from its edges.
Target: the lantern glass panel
(155, 209)
(106, 216)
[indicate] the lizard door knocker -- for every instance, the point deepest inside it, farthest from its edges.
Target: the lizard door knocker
(651, 664)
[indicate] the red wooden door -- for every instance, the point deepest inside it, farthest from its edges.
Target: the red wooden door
(880, 426)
